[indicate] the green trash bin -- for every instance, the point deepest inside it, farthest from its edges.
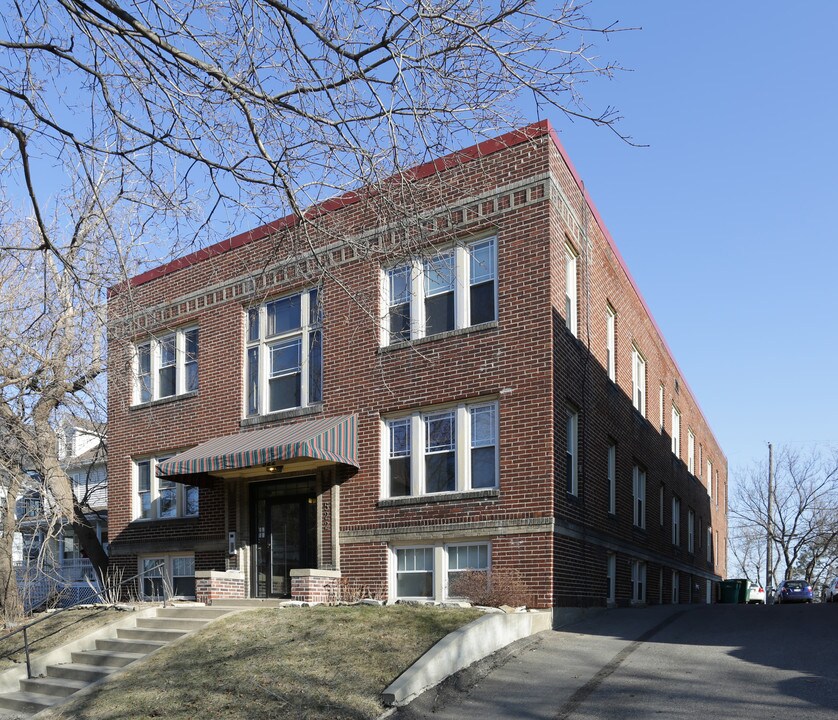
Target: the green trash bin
(733, 591)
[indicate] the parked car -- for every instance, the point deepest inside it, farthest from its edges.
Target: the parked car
(830, 591)
(792, 591)
(756, 594)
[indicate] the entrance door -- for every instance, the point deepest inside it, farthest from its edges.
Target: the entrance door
(286, 539)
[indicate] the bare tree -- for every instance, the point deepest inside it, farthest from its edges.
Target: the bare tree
(270, 107)
(52, 357)
(209, 114)
(805, 531)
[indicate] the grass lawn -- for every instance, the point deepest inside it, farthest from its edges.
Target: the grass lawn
(315, 663)
(55, 630)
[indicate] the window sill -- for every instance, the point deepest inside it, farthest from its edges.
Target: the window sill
(489, 493)
(164, 401)
(145, 521)
(281, 415)
(492, 325)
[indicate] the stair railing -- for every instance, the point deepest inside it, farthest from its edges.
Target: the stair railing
(25, 629)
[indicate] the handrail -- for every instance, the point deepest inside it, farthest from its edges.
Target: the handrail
(58, 612)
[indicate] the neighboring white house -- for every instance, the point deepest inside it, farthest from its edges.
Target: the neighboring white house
(50, 564)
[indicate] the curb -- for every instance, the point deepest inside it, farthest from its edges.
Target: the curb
(461, 648)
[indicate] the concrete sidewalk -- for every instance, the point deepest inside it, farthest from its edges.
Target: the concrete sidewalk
(547, 674)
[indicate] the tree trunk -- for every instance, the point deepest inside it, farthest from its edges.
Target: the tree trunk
(10, 602)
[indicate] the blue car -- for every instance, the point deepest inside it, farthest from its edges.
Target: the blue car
(793, 591)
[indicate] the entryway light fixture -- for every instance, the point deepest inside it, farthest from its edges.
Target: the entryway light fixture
(274, 468)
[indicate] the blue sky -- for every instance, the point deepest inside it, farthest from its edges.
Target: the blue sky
(726, 220)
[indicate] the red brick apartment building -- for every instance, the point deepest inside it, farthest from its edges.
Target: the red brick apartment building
(454, 374)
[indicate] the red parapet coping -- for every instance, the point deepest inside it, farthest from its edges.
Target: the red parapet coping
(455, 159)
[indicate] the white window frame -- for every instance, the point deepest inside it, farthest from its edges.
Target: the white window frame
(182, 360)
(467, 272)
(676, 587)
(612, 477)
(690, 451)
(676, 432)
(709, 544)
(611, 342)
(676, 521)
(260, 346)
(710, 479)
(166, 572)
(181, 493)
(691, 531)
(638, 380)
(465, 445)
(481, 548)
(572, 452)
(611, 578)
(638, 493)
(441, 554)
(661, 397)
(638, 581)
(662, 502)
(571, 298)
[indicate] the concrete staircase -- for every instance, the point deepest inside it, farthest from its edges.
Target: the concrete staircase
(56, 682)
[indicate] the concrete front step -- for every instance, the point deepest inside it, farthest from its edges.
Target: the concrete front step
(127, 645)
(171, 623)
(80, 671)
(105, 657)
(27, 702)
(61, 687)
(153, 634)
(110, 655)
(193, 612)
(248, 603)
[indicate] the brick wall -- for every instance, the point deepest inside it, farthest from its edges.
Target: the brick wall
(526, 360)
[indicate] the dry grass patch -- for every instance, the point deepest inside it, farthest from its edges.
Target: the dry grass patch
(314, 663)
(55, 630)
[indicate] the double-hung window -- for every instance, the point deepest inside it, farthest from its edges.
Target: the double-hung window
(462, 560)
(639, 496)
(638, 581)
(612, 478)
(676, 432)
(445, 450)
(676, 521)
(676, 587)
(415, 572)
(160, 498)
(166, 366)
(710, 479)
(284, 356)
(691, 451)
(691, 531)
(611, 343)
(572, 445)
(167, 576)
(453, 289)
(638, 380)
(570, 297)
(441, 571)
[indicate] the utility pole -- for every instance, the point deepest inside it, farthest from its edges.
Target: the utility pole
(770, 523)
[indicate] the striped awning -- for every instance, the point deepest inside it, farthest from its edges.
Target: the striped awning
(327, 439)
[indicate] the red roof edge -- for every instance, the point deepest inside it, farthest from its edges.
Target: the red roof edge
(601, 223)
(455, 159)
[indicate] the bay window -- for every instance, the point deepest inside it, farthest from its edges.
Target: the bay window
(439, 451)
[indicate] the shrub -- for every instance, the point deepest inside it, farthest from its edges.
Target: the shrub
(495, 588)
